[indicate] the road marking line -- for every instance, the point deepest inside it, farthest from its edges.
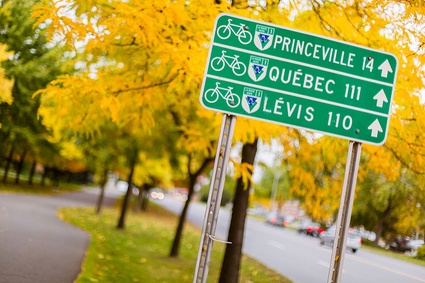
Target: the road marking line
(387, 268)
(277, 245)
(323, 263)
(326, 264)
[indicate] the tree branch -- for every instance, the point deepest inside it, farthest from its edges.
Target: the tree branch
(148, 86)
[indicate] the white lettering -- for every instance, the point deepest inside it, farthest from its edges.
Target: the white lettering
(286, 42)
(310, 116)
(278, 106)
(297, 75)
(290, 109)
(288, 79)
(307, 46)
(276, 77)
(308, 81)
(265, 106)
(350, 60)
(318, 84)
(327, 88)
(316, 50)
(278, 39)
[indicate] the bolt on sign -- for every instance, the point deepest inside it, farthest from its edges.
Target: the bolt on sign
(271, 73)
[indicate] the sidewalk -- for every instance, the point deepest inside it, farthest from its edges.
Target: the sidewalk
(35, 245)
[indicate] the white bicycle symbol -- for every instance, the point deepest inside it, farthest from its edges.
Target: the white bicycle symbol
(240, 31)
(213, 94)
(218, 63)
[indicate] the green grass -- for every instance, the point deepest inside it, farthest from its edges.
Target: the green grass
(400, 256)
(139, 253)
(36, 188)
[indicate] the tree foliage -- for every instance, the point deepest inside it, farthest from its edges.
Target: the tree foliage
(29, 63)
(5, 84)
(317, 164)
(140, 67)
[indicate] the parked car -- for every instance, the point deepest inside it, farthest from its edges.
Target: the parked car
(405, 244)
(415, 244)
(354, 241)
(310, 228)
(277, 220)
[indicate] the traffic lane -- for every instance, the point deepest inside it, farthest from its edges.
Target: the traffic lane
(301, 258)
(295, 256)
(382, 269)
(289, 249)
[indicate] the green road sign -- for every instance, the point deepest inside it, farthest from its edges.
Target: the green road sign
(262, 71)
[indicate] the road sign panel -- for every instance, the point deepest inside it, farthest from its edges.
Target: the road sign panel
(262, 71)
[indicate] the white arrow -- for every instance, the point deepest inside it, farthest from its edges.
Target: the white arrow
(380, 98)
(385, 68)
(375, 127)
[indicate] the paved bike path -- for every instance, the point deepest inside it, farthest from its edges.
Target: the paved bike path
(35, 245)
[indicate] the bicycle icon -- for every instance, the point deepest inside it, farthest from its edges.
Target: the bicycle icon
(218, 63)
(231, 98)
(244, 36)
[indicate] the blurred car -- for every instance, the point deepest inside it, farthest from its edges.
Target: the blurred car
(310, 228)
(400, 244)
(405, 244)
(156, 194)
(121, 186)
(415, 244)
(367, 235)
(354, 240)
(258, 210)
(277, 220)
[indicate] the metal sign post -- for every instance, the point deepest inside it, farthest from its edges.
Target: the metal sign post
(214, 199)
(344, 213)
(271, 73)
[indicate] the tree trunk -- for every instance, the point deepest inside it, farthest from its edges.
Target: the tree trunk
(121, 222)
(233, 254)
(8, 162)
(44, 176)
(32, 172)
(177, 237)
(192, 182)
(143, 198)
(20, 167)
(381, 223)
(55, 177)
(102, 184)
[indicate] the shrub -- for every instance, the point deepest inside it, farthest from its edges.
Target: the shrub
(421, 253)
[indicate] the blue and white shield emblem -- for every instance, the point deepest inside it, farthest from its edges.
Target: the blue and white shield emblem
(251, 99)
(257, 69)
(263, 37)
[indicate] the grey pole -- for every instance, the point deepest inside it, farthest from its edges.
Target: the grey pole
(214, 198)
(344, 213)
(273, 204)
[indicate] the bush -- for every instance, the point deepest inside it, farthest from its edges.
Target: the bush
(421, 253)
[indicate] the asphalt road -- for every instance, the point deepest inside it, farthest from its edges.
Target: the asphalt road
(37, 247)
(301, 258)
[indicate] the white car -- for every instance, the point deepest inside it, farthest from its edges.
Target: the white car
(354, 241)
(415, 244)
